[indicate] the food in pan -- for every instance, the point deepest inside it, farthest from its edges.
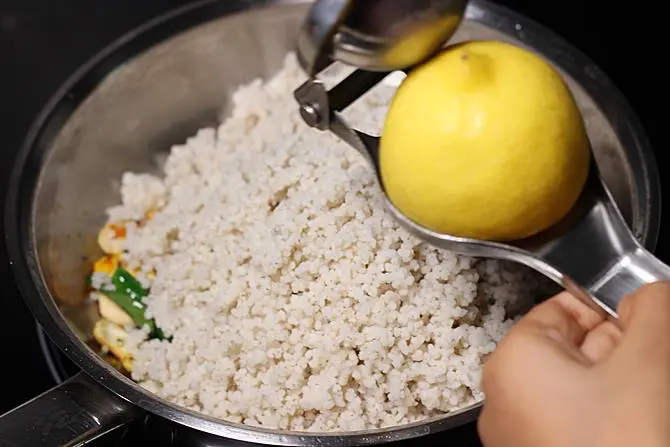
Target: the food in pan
(258, 278)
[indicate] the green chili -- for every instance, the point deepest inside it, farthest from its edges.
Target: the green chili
(129, 294)
(132, 307)
(157, 332)
(126, 282)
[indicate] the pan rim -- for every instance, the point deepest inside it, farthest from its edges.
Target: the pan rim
(22, 186)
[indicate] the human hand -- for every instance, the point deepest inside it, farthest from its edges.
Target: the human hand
(564, 376)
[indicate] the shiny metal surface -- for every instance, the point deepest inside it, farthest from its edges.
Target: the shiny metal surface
(157, 86)
(314, 43)
(69, 415)
(380, 35)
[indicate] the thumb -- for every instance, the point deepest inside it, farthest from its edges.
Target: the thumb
(645, 318)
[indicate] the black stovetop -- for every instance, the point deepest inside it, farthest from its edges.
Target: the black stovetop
(43, 41)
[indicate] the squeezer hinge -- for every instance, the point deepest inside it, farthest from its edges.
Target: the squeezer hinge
(320, 108)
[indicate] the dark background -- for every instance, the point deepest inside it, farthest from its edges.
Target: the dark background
(43, 41)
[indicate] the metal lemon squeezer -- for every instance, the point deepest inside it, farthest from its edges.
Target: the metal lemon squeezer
(591, 252)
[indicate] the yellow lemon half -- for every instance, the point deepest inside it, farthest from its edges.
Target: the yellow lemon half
(484, 141)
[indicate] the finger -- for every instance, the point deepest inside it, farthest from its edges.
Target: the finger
(645, 317)
(563, 318)
(552, 331)
(601, 342)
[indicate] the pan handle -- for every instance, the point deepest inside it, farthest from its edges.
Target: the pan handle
(71, 414)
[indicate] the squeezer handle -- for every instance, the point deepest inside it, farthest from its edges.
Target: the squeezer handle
(599, 256)
(630, 271)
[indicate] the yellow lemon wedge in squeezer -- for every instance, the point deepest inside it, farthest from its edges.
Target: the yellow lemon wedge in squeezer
(484, 141)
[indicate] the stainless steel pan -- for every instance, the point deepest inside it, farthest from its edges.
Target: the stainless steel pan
(153, 88)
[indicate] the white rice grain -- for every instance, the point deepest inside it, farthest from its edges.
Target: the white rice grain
(294, 299)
